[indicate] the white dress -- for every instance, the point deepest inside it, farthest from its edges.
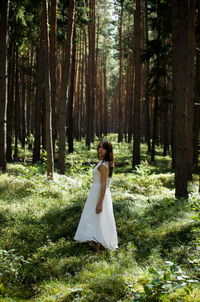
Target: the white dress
(98, 227)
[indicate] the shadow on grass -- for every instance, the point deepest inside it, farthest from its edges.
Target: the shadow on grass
(52, 252)
(11, 191)
(63, 222)
(174, 238)
(149, 229)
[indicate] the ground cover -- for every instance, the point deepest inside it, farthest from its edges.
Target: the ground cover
(158, 255)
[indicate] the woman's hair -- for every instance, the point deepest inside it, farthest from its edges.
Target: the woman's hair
(108, 156)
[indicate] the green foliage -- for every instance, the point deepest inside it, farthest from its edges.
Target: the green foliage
(10, 267)
(40, 260)
(164, 282)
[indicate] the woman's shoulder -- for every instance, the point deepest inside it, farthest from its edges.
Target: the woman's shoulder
(105, 163)
(99, 164)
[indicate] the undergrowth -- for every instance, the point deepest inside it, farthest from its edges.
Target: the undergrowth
(158, 255)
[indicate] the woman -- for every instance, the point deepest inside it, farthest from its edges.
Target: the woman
(97, 221)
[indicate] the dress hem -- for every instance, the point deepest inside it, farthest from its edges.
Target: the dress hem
(95, 240)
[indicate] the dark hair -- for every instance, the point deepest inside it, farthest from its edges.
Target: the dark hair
(109, 155)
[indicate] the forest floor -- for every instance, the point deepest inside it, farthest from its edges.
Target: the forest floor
(158, 257)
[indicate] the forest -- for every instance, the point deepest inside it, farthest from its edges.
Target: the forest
(74, 73)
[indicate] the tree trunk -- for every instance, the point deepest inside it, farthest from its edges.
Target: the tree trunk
(30, 92)
(39, 94)
(196, 127)
(71, 98)
(65, 88)
(105, 96)
(23, 109)
(173, 138)
(155, 126)
(190, 96)
(48, 110)
(91, 73)
(120, 118)
(146, 88)
(17, 106)
(136, 130)
(131, 101)
(10, 106)
(166, 129)
(180, 88)
(4, 10)
(157, 84)
(53, 69)
(82, 89)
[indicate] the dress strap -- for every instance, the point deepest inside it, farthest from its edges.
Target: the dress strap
(99, 163)
(105, 163)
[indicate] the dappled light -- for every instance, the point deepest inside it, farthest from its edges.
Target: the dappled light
(39, 218)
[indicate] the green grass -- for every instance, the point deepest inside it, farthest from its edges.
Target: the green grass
(158, 255)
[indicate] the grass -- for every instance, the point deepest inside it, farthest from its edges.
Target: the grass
(158, 255)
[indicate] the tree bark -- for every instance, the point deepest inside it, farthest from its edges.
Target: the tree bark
(136, 130)
(105, 96)
(11, 76)
(157, 84)
(65, 88)
(30, 92)
(40, 93)
(196, 124)
(48, 109)
(180, 88)
(166, 129)
(23, 109)
(70, 104)
(4, 11)
(146, 87)
(17, 105)
(53, 65)
(91, 73)
(120, 128)
(190, 96)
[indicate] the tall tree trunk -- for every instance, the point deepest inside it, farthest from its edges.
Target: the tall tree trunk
(173, 136)
(17, 105)
(23, 109)
(157, 84)
(40, 94)
(91, 73)
(65, 88)
(80, 66)
(48, 110)
(146, 88)
(180, 87)
(30, 94)
(4, 9)
(105, 96)
(131, 101)
(190, 96)
(120, 118)
(71, 98)
(128, 86)
(136, 130)
(196, 127)
(53, 64)
(155, 127)
(82, 88)
(10, 106)
(166, 129)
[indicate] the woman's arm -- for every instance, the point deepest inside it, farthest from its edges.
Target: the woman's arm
(104, 173)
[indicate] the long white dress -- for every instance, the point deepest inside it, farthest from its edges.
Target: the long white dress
(98, 227)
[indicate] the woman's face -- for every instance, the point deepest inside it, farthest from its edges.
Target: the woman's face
(101, 152)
